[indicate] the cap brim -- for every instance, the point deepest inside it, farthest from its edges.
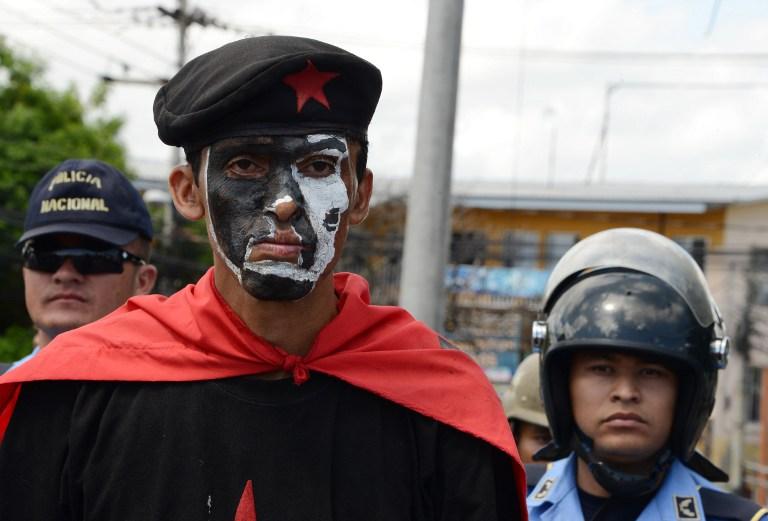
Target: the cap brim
(537, 418)
(102, 232)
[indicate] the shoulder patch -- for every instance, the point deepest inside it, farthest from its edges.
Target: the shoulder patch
(686, 508)
(721, 504)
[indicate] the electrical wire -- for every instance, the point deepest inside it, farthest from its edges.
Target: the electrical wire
(61, 59)
(599, 152)
(540, 54)
(77, 42)
(127, 41)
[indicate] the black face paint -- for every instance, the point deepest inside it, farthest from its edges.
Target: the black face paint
(331, 221)
(264, 195)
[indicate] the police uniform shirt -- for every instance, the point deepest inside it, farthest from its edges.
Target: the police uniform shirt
(683, 496)
(597, 508)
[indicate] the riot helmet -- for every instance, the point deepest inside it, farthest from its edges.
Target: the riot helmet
(637, 292)
(522, 399)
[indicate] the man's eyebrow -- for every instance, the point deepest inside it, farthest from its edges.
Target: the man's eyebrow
(270, 147)
(600, 355)
(333, 143)
(230, 149)
(654, 361)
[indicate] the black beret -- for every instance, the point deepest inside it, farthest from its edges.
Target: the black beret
(267, 85)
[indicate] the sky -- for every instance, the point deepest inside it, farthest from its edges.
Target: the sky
(678, 89)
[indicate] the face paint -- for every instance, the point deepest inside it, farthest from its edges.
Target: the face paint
(275, 204)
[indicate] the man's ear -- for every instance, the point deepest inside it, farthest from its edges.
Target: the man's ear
(185, 193)
(145, 279)
(359, 209)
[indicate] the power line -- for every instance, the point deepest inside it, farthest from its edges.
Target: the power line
(541, 54)
(600, 151)
(120, 10)
(127, 41)
(537, 54)
(197, 16)
(152, 82)
(691, 85)
(71, 39)
(36, 23)
(65, 60)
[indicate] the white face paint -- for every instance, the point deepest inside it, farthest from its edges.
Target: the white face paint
(324, 200)
(322, 197)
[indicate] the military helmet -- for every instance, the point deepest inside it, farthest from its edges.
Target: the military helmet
(635, 291)
(522, 399)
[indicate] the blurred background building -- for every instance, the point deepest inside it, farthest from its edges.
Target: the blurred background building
(506, 238)
(572, 117)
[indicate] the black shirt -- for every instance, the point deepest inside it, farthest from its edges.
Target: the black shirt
(321, 451)
(596, 508)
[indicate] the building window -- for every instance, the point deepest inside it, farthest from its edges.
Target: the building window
(557, 244)
(520, 248)
(468, 248)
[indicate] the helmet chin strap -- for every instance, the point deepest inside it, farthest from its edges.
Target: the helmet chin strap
(617, 482)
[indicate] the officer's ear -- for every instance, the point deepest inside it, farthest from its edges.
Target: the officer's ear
(146, 276)
(186, 193)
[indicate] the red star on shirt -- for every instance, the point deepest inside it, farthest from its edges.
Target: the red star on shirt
(309, 84)
(246, 509)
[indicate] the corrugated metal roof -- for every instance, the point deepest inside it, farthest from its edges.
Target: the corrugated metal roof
(655, 198)
(666, 198)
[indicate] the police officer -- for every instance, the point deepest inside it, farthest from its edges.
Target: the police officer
(631, 343)
(525, 409)
(85, 247)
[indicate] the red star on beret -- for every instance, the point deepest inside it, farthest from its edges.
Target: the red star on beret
(309, 84)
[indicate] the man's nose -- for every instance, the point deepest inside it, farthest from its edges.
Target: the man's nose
(285, 208)
(67, 272)
(625, 388)
(287, 202)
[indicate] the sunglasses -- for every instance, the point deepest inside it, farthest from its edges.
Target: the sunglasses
(86, 262)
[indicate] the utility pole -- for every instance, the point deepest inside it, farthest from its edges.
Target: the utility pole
(183, 22)
(183, 19)
(428, 224)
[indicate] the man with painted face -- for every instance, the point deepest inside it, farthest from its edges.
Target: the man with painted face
(85, 247)
(631, 345)
(271, 389)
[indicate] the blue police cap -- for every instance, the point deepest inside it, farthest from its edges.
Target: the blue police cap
(87, 197)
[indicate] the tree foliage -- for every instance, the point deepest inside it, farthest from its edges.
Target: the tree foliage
(40, 126)
(15, 343)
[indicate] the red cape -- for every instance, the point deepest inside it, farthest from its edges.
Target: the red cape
(194, 335)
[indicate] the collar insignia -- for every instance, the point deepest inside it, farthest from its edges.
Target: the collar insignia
(685, 508)
(545, 488)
